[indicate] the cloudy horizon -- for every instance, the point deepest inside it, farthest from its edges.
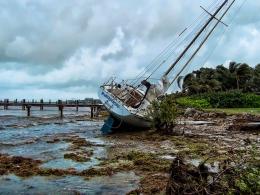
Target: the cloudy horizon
(66, 49)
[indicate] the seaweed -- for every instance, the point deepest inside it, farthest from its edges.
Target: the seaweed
(76, 157)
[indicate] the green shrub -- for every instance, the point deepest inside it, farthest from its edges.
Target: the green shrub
(225, 99)
(248, 181)
(192, 102)
(231, 99)
(164, 113)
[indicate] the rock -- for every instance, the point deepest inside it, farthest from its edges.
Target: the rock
(244, 127)
(189, 112)
(247, 141)
(168, 157)
(205, 115)
(221, 152)
(221, 115)
(196, 116)
(55, 140)
(212, 115)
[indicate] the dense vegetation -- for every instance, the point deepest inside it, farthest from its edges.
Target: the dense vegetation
(234, 87)
(230, 99)
(236, 77)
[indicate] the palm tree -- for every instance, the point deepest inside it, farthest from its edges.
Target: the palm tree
(242, 73)
(189, 83)
(225, 77)
(236, 76)
(256, 79)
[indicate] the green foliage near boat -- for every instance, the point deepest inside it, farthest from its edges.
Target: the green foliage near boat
(230, 99)
(164, 113)
(192, 102)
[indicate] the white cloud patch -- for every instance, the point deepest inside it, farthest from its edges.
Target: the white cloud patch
(67, 48)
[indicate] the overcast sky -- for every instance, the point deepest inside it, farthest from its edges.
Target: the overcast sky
(65, 49)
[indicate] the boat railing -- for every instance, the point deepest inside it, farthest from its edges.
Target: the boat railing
(129, 95)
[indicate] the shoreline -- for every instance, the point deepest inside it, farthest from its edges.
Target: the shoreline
(147, 154)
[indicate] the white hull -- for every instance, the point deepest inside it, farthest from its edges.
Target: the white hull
(121, 112)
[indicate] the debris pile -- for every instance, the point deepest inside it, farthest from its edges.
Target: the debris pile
(187, 179)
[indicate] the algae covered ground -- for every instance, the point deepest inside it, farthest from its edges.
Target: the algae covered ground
(49, 155)
(231, 111)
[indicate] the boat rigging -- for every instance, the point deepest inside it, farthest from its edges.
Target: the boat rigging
(128, 102)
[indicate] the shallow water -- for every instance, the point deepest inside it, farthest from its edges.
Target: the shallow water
(33, 138)
(120, 183)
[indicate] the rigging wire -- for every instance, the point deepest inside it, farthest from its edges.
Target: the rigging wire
(170, 53)
(198, 35)
(224, 31)
(219, 39)
(202, 43)
(172, 44)
(173, 51)
(203, 23)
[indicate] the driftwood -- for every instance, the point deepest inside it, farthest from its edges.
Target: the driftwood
(187, 179)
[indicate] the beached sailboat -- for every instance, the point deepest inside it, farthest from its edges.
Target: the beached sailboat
(128, 101)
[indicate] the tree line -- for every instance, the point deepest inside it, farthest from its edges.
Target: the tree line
(238, 76)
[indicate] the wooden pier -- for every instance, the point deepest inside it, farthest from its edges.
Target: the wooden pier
(94, 105)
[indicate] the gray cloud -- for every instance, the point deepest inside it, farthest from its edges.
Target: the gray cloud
(69, 47)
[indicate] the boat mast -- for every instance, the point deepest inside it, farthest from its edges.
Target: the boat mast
(202, 43)
(213, 16)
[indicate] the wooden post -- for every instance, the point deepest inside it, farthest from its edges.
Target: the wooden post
(41, 106)
(28, 110)
(95, 111)
(77, 105)
(61, 110)
(92, 110)
(6, 104)
(23, 104)
(98, 111)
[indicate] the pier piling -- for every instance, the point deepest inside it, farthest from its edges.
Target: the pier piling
(61, 110)
(77, 105)
(23, 104)
(6, 102)
(28, 107)
(92, 109)
(61, 106)
(92, 112)
(41, 106)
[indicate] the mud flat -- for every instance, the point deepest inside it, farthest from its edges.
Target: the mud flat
(212, 142)
(72, 156)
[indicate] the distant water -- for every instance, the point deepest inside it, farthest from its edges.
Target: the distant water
(30, 137)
